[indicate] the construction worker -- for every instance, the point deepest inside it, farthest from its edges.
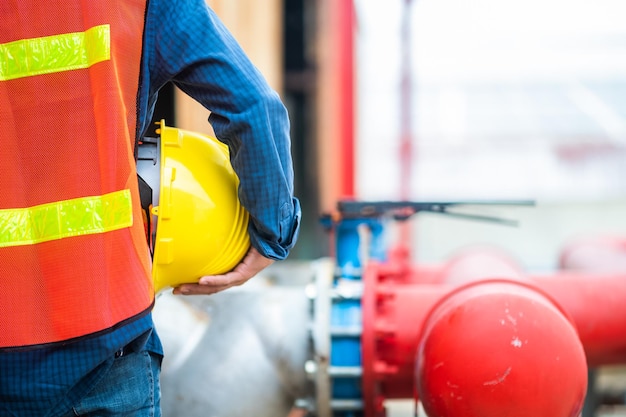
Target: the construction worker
(78, 84)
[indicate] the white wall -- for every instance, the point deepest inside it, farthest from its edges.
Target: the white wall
(511, 99)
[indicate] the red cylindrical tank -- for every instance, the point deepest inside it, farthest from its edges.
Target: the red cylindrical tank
(499, 348)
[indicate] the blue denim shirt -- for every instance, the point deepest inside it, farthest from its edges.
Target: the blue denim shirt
(185, 43)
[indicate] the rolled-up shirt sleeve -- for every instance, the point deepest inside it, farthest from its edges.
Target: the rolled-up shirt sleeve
(194, 50)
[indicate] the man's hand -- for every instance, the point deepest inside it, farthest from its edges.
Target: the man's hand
(250, 265)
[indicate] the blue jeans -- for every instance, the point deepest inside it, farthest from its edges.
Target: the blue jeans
(130, 388)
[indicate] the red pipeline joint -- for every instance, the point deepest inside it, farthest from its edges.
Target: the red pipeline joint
(497, 348)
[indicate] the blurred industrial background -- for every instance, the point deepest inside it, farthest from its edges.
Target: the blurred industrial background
(414, 100)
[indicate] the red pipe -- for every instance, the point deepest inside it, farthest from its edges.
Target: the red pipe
(597, 305)
(396, 307)
(344, 65)
(336, 109)
(393, 316)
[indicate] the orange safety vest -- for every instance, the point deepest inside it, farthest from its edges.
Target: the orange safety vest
(73, 254)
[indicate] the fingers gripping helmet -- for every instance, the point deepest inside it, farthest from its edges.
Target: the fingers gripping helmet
(189, 191)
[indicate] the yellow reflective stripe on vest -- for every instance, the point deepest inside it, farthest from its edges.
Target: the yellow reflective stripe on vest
(69, 51)
(79, 216)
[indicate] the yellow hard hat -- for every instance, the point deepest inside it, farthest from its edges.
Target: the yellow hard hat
(201, 226)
